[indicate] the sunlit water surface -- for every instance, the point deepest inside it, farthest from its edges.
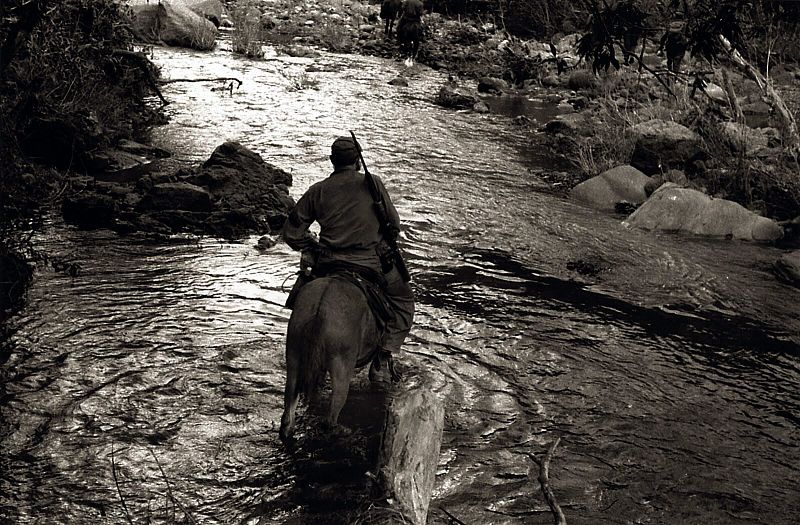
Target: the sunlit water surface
(668, 365)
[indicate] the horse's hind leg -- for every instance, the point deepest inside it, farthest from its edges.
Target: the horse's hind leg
(341, 373)
(291, 396)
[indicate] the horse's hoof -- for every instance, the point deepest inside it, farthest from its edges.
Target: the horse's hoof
(286, 435)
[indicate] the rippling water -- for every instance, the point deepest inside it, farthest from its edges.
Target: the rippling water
(668, 365)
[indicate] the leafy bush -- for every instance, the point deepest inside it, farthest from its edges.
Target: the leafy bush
(68, 76)
(335, 38)
(71, 61)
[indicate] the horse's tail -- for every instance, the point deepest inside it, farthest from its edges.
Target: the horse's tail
(304, 344)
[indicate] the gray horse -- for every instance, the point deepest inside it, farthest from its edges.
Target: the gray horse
(331, 330)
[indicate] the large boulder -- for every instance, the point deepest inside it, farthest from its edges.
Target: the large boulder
(211, 10)
(662, 145)
(673, 208)
(242, 180)
(605, 191)
(173, 23)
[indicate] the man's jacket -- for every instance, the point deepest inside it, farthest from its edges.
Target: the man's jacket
(344, 209)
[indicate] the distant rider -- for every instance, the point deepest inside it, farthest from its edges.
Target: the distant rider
(411, 12)
(350, 232)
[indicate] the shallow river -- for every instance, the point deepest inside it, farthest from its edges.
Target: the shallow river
(150, 384)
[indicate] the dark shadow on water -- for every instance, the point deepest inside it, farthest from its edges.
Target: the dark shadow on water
(703, 329)
(329, 469)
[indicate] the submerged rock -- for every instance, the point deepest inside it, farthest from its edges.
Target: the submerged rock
(787, 268)
(681, 209)
(452, 96)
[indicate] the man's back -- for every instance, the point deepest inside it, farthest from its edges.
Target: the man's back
(413, 10)
(344, 210)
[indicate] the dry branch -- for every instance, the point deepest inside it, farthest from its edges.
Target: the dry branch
(452, 518)
(789, 126)
(119, 490)
(141, 61)
(169, 490)
(217, 79)
(544, 481)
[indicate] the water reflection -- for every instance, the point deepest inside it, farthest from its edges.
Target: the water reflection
(668, 365)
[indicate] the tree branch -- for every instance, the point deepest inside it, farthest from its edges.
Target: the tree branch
(789, 125)
(544, 481)
(119, 490)
(143, 63)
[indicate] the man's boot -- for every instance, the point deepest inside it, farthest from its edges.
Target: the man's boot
(383, 366)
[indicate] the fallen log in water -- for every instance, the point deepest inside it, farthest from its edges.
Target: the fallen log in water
(409, 452)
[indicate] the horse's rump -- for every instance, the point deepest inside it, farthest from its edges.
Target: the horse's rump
(331, 320)
(410, 31)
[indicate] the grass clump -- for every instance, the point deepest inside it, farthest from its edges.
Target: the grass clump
(248, 31)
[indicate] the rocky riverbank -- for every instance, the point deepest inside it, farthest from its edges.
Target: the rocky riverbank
(231, 194)
(719, 141)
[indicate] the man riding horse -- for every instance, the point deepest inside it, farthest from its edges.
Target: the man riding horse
(389, 11)
(351, 233)
(409, 28)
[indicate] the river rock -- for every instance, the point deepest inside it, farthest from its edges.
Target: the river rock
(89, 210)
(492, 85)
(605, 191)
(177, 196)
(568, 44)
(676, 177)
(455, 97)
(757, 114)
(662, 145)
(570, 124)
(399, 81)
(144, 150)
(743, 138)
(787, 268)
(682, 209)
(241, 179)
(112, 160)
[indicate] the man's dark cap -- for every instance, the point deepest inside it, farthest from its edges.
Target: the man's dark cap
(344, 151)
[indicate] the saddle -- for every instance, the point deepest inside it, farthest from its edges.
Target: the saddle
(371, 283)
